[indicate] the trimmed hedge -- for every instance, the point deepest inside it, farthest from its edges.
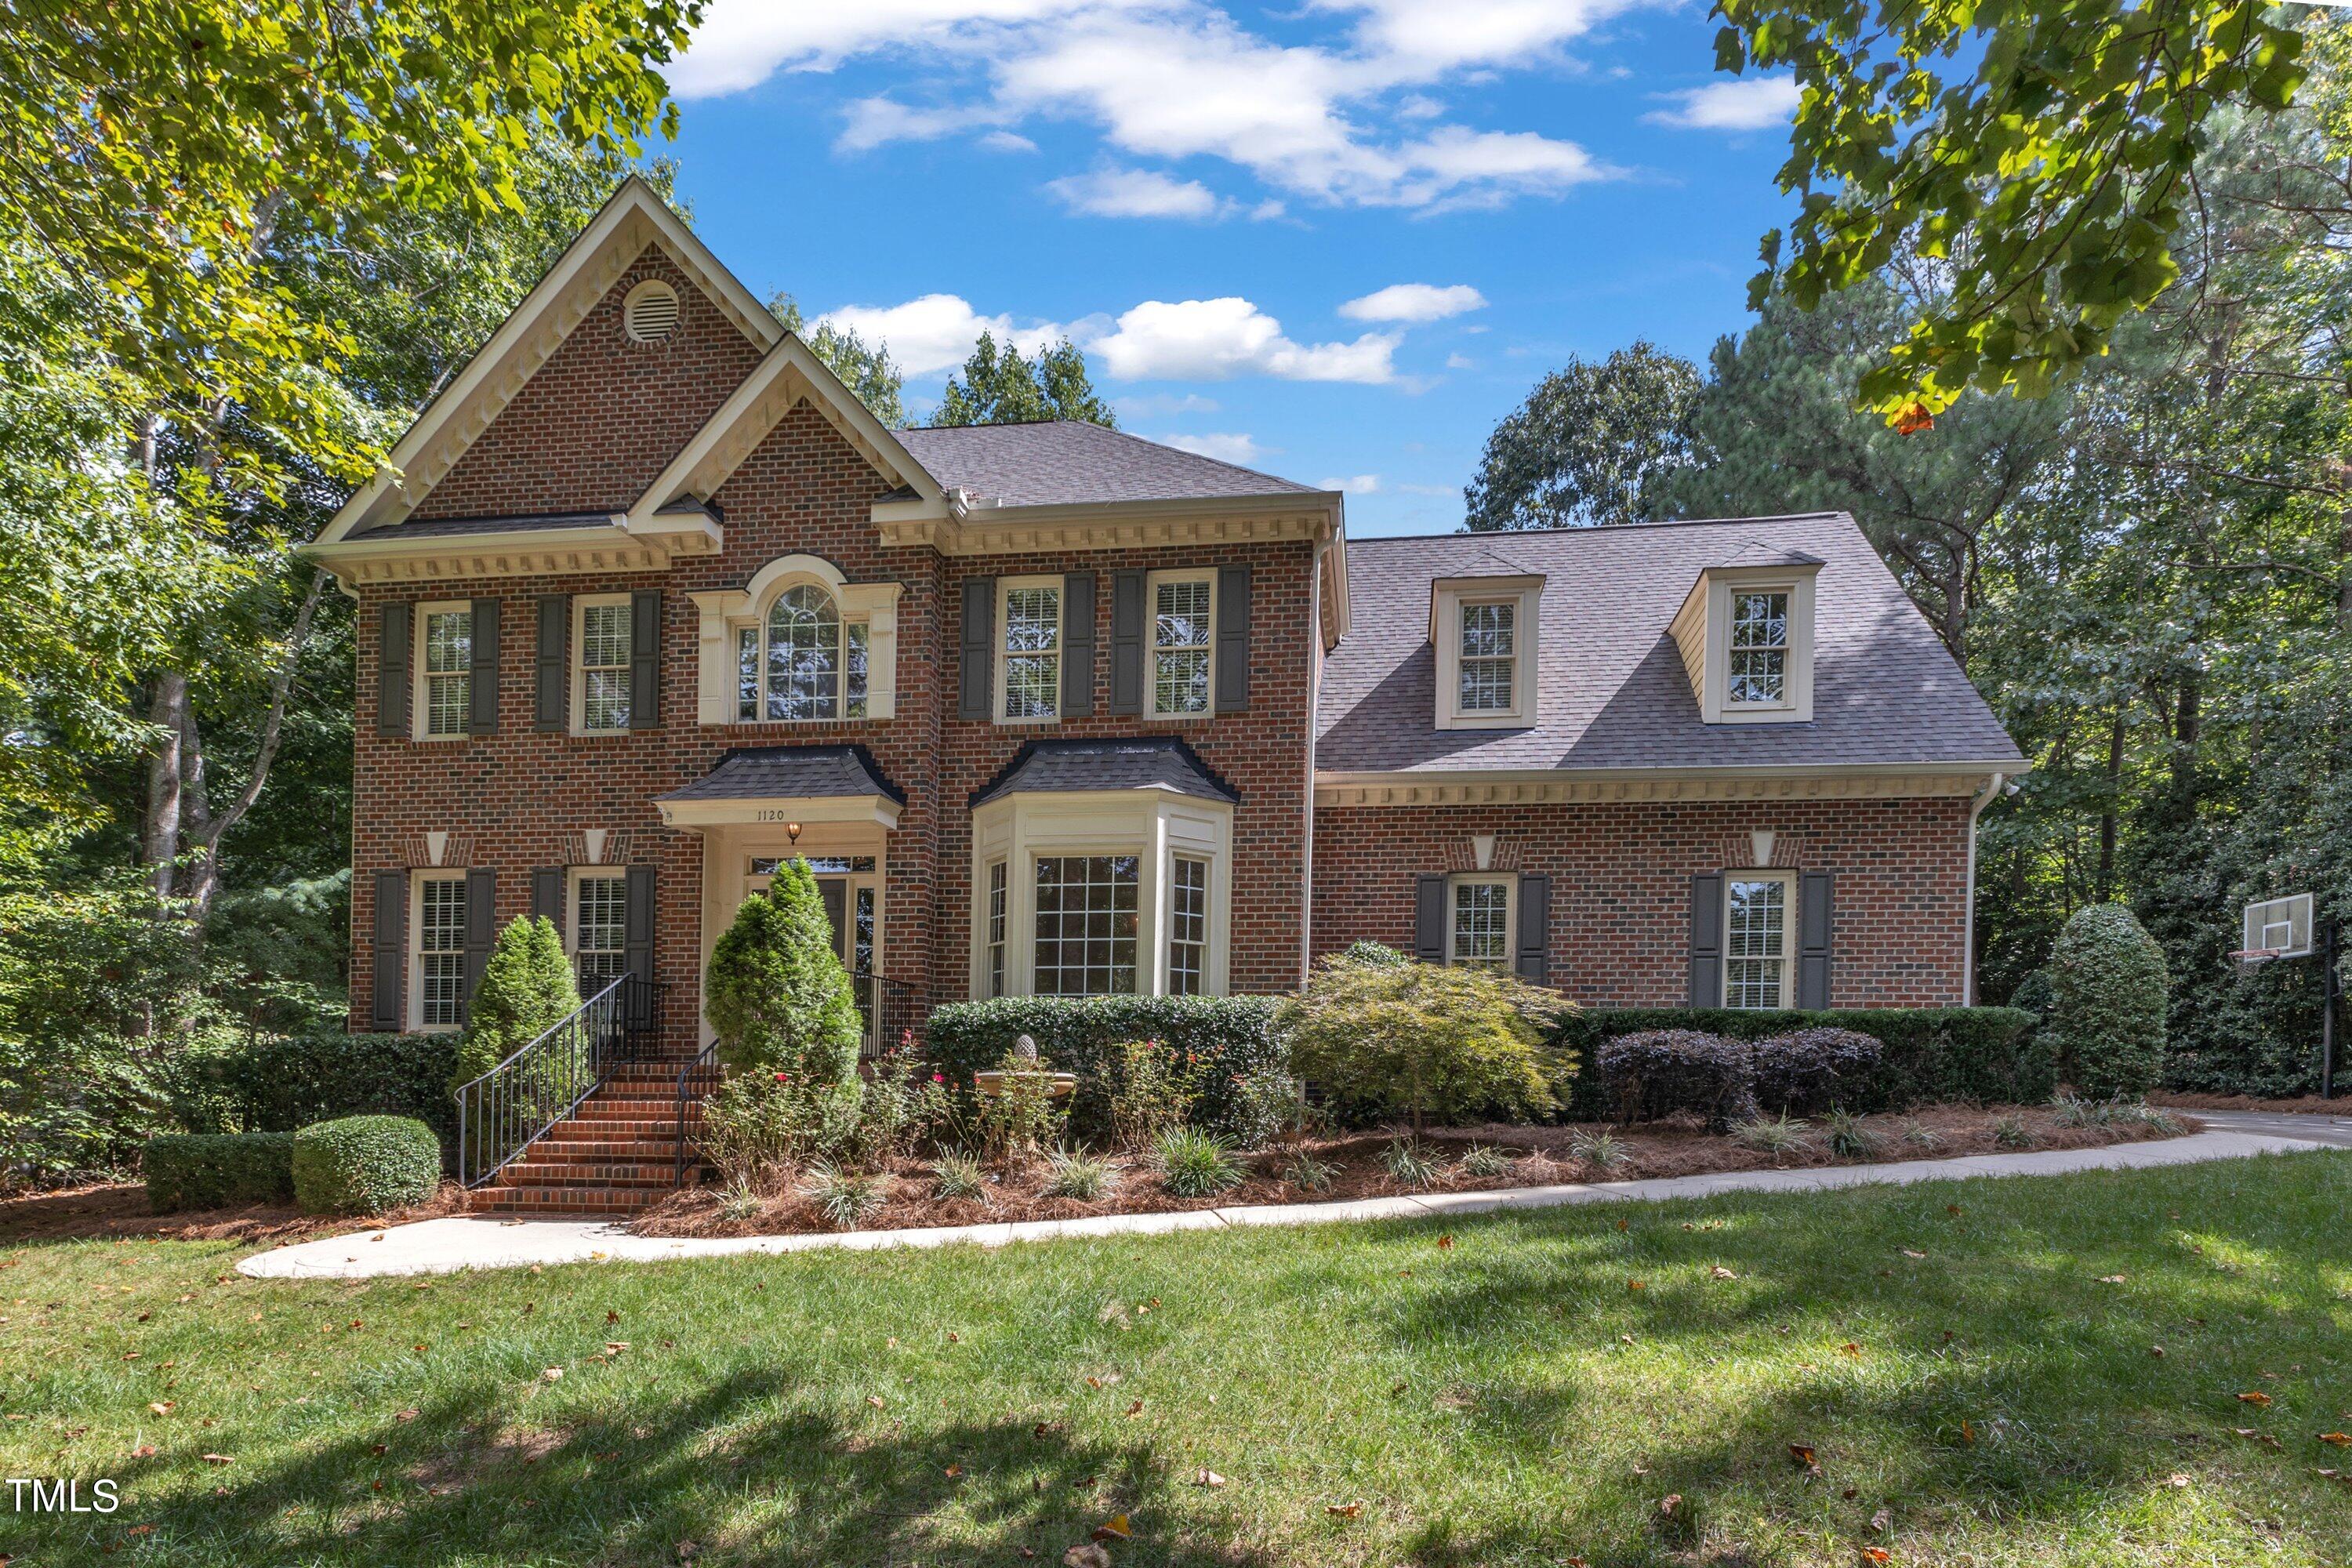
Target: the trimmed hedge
(1655, 1073)
(217, 1170)
(1232, 1036)
(1988, 1055)
(365, 1165)
(2109, 991)
(276, 1083)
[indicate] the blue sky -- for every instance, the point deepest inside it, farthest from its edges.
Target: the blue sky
(1334, 241)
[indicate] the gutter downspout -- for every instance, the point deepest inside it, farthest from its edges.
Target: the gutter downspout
(1314, 700)
(1985, 797)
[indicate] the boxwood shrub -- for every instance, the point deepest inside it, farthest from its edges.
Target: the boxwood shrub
(1988, 1055)
(364, 1164)
(2109, 990)
(217, 1170)
(276, 1083)
(1232, 1036)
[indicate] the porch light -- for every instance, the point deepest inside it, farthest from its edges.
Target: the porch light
(792, 831)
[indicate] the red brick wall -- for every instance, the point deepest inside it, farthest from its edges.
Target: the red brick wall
(604, 415)
(1620, 885)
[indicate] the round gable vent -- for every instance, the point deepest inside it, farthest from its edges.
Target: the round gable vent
(650, 312)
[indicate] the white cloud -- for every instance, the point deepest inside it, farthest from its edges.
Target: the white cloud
(1359, 485)
(1413, 302)
(742, 43)
(936, 332)
(1757, 103)
(1149, 403)
(1213, 340)
(1006, 142)
(1472, 32)
(877, 121)
(1226, 447)
(1432, 490)
(1460, 362)
(1135, 193)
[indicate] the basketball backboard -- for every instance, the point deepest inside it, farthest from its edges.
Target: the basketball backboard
(2283, 926)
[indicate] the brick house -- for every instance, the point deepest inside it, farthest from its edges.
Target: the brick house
(649, 603)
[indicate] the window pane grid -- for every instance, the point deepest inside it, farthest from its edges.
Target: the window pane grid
(600, 931)
(1482, 924)
(1755, 943)
(440, 949)
(1180, 645)
(1760, 646)
(604, 667)
(1033, 658)
(448, 666)
(803, 655)
(1085, 933)
(1488, 653)
(854, 637)
(1188, 925)
(997, 892)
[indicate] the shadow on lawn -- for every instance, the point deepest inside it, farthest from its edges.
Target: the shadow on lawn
(460, 1482)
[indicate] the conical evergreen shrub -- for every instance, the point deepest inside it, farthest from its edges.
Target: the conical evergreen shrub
(525, 989)
(777, 996)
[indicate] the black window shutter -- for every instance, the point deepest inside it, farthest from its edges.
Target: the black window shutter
(547, 894)
(482, 717)
(1534, 928)
(399, 620)
(645, 658)
(976, 687)
(1233, 638)
(1815, 925)
(1706, 941)
(385, 1015)
(482, 928)
(637, 942)
(555, 661)
(1127, 642)
(1429, 920)
(1078, 644)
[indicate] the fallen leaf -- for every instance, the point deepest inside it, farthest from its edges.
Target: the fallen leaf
(874, 1400)
(1951, 1208)
(1968, 1433)
(2256, 1397)
(1445, 1242)
(1801, 1453)
(2155, 1351)
(2175, 1480)
(378, 1447)
(2341, 1439)
(1882, 1521)
(687, 1548)
(144, 1451)
(1850, 1348)
(2111, 1279)
(954, 1470)
(1086, 1554)
(1115, 1528)
(218, 1459)
(1208, 1478)
(1668, 1503)
(1876, 1554)
(553, 1375)
(2253, 1436)
(1908, 1253)
(1633, 1284)
(1343, 1509)
(1622, 1223)
(1720, 1272)
(403, 1415)
(161, 1407)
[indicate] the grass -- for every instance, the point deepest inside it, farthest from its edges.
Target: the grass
(1491, 1390)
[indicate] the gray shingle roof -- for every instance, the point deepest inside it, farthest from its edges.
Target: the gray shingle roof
(524, 523)
(1062, 462)
(1162, 762)
(791, 773)
(1611, 692)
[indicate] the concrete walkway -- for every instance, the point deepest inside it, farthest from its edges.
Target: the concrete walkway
(2317, 1127)
(482, 1241)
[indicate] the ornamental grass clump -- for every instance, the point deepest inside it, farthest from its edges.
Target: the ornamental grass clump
(1408, 1165)
(1779, 1136)
(1849, 1139)
(955, 1175)
(846, 1198)
(1074, 1173)
(1194, 1164)
(1483, 1162)
(2012, 1131)
(1603, 1150)
(1307, 1174)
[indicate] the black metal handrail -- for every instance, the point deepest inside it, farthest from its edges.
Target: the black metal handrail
(889, 1011)
(509, 1107)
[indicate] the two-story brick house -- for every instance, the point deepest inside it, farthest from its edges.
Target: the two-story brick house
(649, 602)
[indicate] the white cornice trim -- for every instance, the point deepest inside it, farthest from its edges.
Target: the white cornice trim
(512, 553)
(878, 810)
(1591, 785)
(633, 219)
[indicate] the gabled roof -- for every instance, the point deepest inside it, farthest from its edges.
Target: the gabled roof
(1158, 762)
(1612, 690)
(1067, 462)
(633, 219)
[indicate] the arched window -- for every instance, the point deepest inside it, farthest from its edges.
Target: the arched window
(806, 662)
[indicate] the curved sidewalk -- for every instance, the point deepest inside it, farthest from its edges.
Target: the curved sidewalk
(479, 1241)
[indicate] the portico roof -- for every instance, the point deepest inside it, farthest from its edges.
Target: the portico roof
(786, 784)
(1151, 762)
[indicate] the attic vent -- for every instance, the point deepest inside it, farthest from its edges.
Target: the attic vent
(650, 312)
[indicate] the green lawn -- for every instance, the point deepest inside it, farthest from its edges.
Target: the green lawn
(1507, 1398)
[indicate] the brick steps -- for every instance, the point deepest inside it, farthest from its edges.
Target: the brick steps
(616, 1153)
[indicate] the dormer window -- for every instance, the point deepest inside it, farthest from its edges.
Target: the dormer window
(1484, 631)
(1746, 632)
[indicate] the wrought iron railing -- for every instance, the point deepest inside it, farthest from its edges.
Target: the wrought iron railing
(890, 1011)
(504, 1110)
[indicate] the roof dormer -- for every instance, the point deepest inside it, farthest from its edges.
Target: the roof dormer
(1482, 627)
(1746, 632)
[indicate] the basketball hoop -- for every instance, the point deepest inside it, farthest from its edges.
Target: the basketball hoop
(2249, 960)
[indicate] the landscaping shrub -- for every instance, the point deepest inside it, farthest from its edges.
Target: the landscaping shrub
(1152, 1091)
(525, 989)
(1809, 1070)
(776, 994)
(1661, 1072)
(276, 1083)
(364, 1164)
(756, 1125)
(2108, 993)
(1194, 1164)
(1023, 1116)
(217, 1170)
(1424, 1040)
(1927, 1054)
(1230, 1038)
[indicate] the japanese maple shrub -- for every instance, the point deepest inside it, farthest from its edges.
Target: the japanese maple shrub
(777, 995)
(2108, 993)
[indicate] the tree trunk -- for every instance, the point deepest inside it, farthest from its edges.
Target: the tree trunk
(159, 842)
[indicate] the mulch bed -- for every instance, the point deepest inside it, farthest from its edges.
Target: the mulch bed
(1541, 1158)
(120, 1209)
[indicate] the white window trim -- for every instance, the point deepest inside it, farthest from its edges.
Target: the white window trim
(999, 661)
(1448, 596)
(995, 956)
(1151, 583)
(1155, 826)
(1509, 883)
(570, 923)
(580, 606)
(1788, 880)
(1702, 629)
(415, 958)
(420, 705)
(726, 612)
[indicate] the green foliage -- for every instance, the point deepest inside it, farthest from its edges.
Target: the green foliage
(899, 1107)
(1409, 1164)
(1152, 1091)
(1481, 1160)
(1021, 1117)
(1592, 444)
(1307, 1172)
(1077, 1174)
(759, 1125)
(847, 1199)
(217, 1170)
(276, 1083)
(1776, 1135)
(868, 370)
(1192, 1163)
(1369, 954)
(1601, 1150)
(2012, 1131)
(999, 386)
(364, 1164)
(1229, 1038)
(776, 994)
(2108, 989)
(959, 1175)
(1426, 1041)
(1849, 1139)
(527, 988)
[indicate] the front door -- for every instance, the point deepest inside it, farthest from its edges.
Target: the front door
(835, 891)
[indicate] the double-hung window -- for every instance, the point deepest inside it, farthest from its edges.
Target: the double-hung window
(804, 661)
(438, 951)
(1479, 920)
(999, 894)
(1758, 914)
(604, 642)
(1030, 660)
(1087, 924)
(1188, 924)
(1489, 661)
(445, 673)
(600, 929)
(1182, 621)
(1759, 647)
